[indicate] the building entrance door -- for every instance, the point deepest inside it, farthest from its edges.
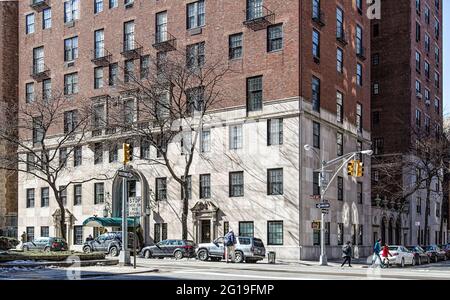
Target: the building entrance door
(205, 236)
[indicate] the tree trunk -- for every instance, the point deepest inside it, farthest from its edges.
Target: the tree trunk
(62, 221)
(185, 210)
(427, 209)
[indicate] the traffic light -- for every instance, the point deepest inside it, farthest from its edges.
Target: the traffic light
(351, 168)
(360, 169)
(126, 153)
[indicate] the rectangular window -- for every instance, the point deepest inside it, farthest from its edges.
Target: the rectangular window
(316, 233)
(316, 135)
(98, 6)
(315, 94)
(71, 10)
(145, 66)
(361, 234)
(236, 137)
(418, 118)
(254, 9)
(113, 153)
(340, 188)
(195, 99)
(275, 37)
(418, 61)
(205, 141)
(195, 14)
(77, 156)
(275, 233)
(359, 117)
(99, 116)
(113, 3)
(30, 198)
(316, 185)
(195, 55)
(45, 232)
(417, 32)
(30, 234)
(161, 27)
(63, 194)
(254, 93)
(38, 60)
(378, 145)
(99, 43)
(340, 60)
(340, 107)
(70, 121)
(46, 89)
(275, 182)
(161, 189)
(98, 78)
(235, 46)
(128, 71)
(31, 163)
(47, 18)
(340, 233)
(376, 88)
(29, 92)
(99, 196)
(236, 184)
(205, 186)
(71, 84)
(189, 191)
(360, 194)
(427, 43)
(437, 80)
(359, 75)
(145, 149)
(78, 235)
(113, 70)
(128, 36)
(38, 131)
(274, 132)
(98, 153)
(45, 197)
(29, 20)
(340, 34)
(246, 229)
(359, 41)
(77, 194)
(316, 44)
(340, 144)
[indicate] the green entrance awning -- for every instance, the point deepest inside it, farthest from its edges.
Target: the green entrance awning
(108, 222)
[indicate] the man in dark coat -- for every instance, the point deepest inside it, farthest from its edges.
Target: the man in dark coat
(347, 254)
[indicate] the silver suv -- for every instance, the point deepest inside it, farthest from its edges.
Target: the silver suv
(248, 249)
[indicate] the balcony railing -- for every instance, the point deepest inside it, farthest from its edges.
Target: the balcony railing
(341, 36)
(132, 49)
(164, 41)
(319, 18)
(361, 52)
(40, 72)
(39, 5)
(258, 18)
(101, 57)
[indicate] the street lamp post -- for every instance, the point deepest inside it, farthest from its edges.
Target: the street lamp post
(323, 260)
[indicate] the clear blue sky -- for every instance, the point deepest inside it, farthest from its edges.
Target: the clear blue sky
(446, 35)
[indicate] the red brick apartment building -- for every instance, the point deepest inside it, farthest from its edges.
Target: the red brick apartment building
(406, 46)
(8, 95)
(309, 60)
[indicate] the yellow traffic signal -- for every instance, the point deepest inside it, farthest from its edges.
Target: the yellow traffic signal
(126, 153)
(351, 168)
(360, 169)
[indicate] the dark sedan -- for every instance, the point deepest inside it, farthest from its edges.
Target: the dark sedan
(420, 255)
(436, 253)
(446, 248)
(46, 244)
(170, 248)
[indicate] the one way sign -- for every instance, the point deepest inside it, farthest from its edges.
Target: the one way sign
(323, 205)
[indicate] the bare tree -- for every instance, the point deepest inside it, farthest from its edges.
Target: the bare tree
(168, 103)
(422, 168)
(46, 134)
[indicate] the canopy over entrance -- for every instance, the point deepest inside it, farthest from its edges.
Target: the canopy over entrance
(108, 222)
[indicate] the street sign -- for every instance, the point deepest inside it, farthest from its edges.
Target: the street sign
(125, 174)
(134, 207)
(315, 225)
(323, 205)
(417, 223)
(325, 211)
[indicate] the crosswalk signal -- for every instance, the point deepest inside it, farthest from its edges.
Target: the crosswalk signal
(351, 168)
(126, 153)
(360, 169)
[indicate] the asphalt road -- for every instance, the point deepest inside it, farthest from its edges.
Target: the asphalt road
(170, 269)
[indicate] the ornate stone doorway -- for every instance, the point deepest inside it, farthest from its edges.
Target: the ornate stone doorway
(70, 220)
(204, 214)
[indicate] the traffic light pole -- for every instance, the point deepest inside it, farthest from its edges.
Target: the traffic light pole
(124, 258)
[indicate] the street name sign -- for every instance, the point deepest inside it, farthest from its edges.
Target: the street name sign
(323, 205)
(124, 174)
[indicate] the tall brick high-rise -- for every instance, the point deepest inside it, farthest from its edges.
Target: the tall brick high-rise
(406, 45)
(306, 61)
(8, 96)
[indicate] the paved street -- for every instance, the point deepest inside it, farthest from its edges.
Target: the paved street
(169, 269)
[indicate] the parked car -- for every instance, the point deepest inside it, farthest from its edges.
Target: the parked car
(446, 248)
(400, 256)
(109, 243)
(420, 255)
(436, 253)
(46, 244)
(248, 249)
(170, 248)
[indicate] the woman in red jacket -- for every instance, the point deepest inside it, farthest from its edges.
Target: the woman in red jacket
(386, 255)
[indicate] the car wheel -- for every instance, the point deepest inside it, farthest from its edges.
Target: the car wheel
(114, 251)
(402, 264)
(178, 254)
(87, 249)
(238, 257)
(147, 254)
(47, 249)
(203, 255)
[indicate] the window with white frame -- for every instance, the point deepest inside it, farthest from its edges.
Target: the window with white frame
(236, 137)
(29, 23)
(196, 14)
(71, 10)
(274, 132)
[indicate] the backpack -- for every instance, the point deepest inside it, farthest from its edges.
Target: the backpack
(227, 240)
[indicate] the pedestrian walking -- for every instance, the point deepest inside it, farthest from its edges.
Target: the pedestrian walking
(376, 253)
(24, 237)
(347, 254)
(230, 242)
(385, 254)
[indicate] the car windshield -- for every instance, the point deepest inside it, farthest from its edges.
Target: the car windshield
(258, 243)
